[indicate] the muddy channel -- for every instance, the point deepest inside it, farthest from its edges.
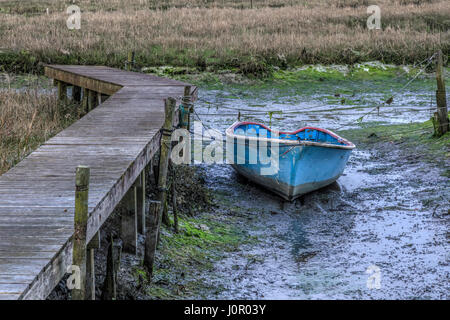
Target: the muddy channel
(387, 215)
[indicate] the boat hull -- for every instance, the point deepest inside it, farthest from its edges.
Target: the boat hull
(301, 172)
(312, 158)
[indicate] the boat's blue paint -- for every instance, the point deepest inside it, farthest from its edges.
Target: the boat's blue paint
(318, 158)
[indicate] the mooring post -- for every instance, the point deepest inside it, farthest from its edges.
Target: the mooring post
(156, 207)
(151, 235)
(140, 203)
(440, 119)
(79, 238)
(128, 231)
(90, 266)
(76, 93)
(169, 105)
(62, 90)
(186, 102)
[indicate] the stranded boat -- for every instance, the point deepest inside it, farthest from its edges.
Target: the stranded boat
(287, 163)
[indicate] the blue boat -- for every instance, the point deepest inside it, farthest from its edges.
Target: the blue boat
(288, 163)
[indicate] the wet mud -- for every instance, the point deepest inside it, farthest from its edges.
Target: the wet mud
(388, 212)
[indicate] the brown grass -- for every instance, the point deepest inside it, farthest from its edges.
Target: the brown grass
(27, 119)
(323, 32)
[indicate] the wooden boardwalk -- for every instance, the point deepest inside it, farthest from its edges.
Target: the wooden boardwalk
(116, 140)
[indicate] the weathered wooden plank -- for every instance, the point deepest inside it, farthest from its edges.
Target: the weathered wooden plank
(21, 266)
(8, 296)
(12, 288)
(82, 81)
(15, 278)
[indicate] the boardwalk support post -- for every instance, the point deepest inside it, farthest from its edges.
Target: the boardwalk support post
(62, 90)
(79, 238)
(128, 231)
(174, 199)
(140, 203)
(92, 99)
(84, 101)
(440, 117)
(109, 290)
(166, 134)
(151, 236)
(90, 266)
(76, 94)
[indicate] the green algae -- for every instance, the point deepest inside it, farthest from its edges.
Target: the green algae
(200, 242)
(413, 136)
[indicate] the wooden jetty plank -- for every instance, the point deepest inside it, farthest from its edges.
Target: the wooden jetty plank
(107, 75)
(116, 140)
(7, 296)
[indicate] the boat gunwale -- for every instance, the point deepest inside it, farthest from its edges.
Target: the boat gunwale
(348, 145)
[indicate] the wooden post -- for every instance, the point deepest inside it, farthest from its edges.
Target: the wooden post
(174, 200)
(151, 236)
(62, 90)
(130, 60)
(76, 93)
(164, 156)
(99, 99)
(109, 290)
(186, 102)
(84, 102)
(90, 267)
(140, 203)
(92, 100)
(79, 238)
(440, 119)
(128, 231)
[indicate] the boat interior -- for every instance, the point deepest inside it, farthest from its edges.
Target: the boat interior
(252, 129)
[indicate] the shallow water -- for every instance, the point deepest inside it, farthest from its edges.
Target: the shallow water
(385, 211)
(330, 104)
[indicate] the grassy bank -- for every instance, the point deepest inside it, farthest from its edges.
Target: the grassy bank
(214, 36)
(416, 137)
(27, 119)
(184, 259)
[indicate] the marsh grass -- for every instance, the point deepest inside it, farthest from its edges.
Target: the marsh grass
(218, 34)
(27, 119)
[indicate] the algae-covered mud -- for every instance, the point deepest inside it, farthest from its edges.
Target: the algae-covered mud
(380, 232)
(335, 97)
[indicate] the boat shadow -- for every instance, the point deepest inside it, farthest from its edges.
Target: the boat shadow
(332, 190)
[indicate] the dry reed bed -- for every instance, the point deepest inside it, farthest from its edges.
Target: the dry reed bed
(27, 119)
(191, 36)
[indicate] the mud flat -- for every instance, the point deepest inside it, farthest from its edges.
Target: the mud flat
(389, 209)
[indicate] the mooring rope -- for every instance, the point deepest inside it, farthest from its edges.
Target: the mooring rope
(391, 98)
